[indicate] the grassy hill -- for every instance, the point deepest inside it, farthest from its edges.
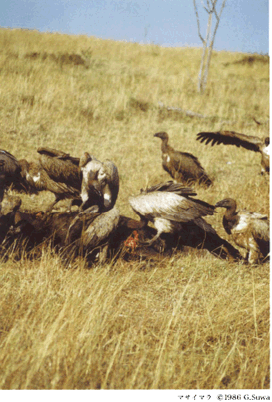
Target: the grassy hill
(186, 322)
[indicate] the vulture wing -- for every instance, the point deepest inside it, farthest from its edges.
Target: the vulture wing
(9, 163)
(38, 179)
(61, 170)
(231, 138)
(189, 167)
(58, 154)
(169, 206)
(7, 154)
(185, 161)
(171, 187)
(204, 225)
(100, 229)
(56, 187)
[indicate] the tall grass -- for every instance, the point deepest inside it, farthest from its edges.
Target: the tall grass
(190, 321)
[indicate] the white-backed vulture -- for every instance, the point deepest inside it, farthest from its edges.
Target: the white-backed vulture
(182, 166)
(256, 144)
(9, 172)
(99, 179)
(168, 206)
(249, 230)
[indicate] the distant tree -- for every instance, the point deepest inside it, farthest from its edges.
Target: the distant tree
(210, 7)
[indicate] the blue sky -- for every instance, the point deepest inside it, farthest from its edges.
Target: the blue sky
(243, 27)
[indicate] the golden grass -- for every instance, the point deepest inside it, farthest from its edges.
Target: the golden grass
(187, 322)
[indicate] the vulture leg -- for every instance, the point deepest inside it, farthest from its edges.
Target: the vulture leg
(153, 240)
(253, 255)
(103, 254)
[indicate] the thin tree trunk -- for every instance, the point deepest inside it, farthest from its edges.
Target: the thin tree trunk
(205, 77)
(208, 42)
(203, 59)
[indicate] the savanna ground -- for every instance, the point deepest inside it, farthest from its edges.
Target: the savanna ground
(191, 321)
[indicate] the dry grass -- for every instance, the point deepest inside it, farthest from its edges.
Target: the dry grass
(190, 321)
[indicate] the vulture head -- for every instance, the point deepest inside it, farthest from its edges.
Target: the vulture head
(227, 203)
(162, 135)
(100, 182)
(267, 141)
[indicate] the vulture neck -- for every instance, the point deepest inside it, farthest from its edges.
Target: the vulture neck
(165, 147)
(231, 218)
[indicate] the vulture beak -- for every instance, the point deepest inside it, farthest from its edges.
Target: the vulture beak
(222, 204)
(94, 185)
(219, 204)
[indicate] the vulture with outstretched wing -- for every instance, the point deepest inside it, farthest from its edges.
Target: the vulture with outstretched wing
(256, 144)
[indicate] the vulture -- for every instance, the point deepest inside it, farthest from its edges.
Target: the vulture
(10, 173)
(56, 172)
(249, 230)
(100, 183)
(182, 166)
(256, 144)
(168, 206)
